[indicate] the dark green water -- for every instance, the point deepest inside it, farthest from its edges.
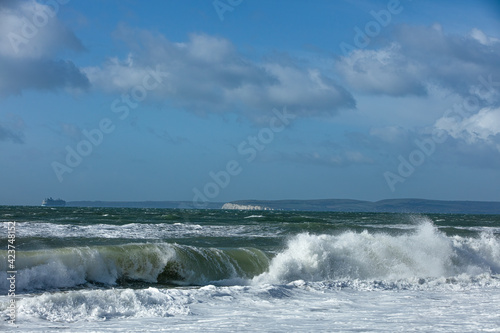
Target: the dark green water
(219, 228)
(109, 246)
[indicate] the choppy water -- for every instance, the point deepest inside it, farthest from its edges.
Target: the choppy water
(107, 269)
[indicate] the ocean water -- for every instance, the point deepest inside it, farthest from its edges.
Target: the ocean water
(152, 270)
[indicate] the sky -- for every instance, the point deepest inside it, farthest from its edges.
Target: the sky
(224, 100)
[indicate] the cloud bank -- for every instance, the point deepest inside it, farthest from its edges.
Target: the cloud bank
(31, 38)
(481, 127)
(419, 57)
(208, 74)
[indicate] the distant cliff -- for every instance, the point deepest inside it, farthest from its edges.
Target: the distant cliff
(244, 207)
(382, 206)
(331, 205)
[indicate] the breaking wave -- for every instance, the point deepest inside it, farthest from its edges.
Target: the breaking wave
(100, 305)
(425, 253)
(120, 264)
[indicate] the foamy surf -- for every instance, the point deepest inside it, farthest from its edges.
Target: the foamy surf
(425, 253)
(439, 306)
(161, 263)
(113, 270)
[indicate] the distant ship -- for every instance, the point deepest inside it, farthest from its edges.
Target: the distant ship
(49, 202)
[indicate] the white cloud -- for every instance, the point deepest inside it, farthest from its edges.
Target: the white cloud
(208, 49)
(390, 134)
(31, 38)
(117, 75)
(420, 57)
(384, 71)
(482, 38)
(32, 30)
(208, 74)
(482, 127)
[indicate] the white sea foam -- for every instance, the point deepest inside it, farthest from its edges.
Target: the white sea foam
(99, 305)
(138, 230)
(69, 267)
(425, 253)
(412, 280)
(145, 263)
(297, 306)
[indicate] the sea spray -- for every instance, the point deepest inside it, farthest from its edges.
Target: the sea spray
(424, 253)
(109, 269)
(99, 305)
(162, 263)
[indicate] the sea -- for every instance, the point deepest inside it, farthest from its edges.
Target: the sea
(157, 270)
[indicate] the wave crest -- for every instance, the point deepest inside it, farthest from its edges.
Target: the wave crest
(424, 253)
(146, 263)
(99, 305)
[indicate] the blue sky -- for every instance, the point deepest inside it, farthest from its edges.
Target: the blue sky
(226, 100)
